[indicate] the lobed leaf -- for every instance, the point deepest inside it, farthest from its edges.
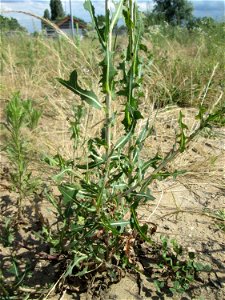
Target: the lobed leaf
(87, 96)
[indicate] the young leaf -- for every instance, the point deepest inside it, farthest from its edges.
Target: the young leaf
(182, 135)
(116, 14)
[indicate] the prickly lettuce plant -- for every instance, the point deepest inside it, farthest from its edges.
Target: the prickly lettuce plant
(20, 115)
(96, 215)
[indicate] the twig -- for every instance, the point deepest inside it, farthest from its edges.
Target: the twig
(63, 294)
(156, 206)
(209, 82)
(27, 290)
(191, 212)
(54, 286)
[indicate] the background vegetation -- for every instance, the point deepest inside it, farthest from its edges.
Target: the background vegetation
(10, 24)
(177, 12)
(180, 62)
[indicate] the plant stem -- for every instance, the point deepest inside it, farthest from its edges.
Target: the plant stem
(109, 92)
(108, 108)
(131, 79)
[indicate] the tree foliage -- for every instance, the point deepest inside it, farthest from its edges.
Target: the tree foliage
(46, 14)
(175, 12)
(57, 11)
(10, 24)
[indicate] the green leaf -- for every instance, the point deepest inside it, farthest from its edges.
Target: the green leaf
(59, 177)
(76, 228)
(119, 223)
(69, 192)
(200, 115)
(14, 268)
(200, 267)
(90, 165)
(143, 47)
(83, 272)
(51, 161)
(132, 114)
(159, 285)
(75, 263)
(152, 162)
(143, 195)
(122, 224)
(128, 21)
(145, 132)
(122, 141)
(108, 226)
(87, 96)
(218, 116)
(177, 173)
(182, 135)
(52, 200)
(135, 224)
(176, 247)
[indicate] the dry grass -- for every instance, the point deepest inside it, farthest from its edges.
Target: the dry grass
(176, 73)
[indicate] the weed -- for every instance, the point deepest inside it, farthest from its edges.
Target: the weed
(20, 115)
(219, 216)
(18, 276)
(178, 272)
(7, 233)
(221, 226)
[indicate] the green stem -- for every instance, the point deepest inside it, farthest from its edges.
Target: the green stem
(19, 167)
(131, 77)
(109, 92)
(108, 110)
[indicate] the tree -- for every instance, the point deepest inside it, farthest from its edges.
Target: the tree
(150, 18)
(10, 24)
(57, 11)
(46, 16)
(175, 12)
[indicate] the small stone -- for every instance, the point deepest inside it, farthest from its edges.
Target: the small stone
(191, 250)
(113, 297)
